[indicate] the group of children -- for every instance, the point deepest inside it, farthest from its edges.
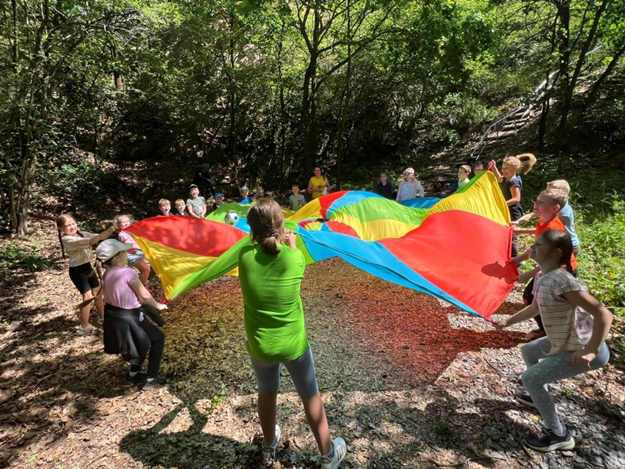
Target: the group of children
(572, 325)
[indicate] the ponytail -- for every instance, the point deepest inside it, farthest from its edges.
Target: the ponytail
(61, 242)
(527, 161)
(266, 225)
(269, 245)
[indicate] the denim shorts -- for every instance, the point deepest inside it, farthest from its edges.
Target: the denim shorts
(302, 371)
(135, 257)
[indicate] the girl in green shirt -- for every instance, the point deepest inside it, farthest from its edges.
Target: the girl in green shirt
(271, 272)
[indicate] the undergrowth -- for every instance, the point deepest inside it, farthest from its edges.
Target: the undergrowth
(15, 257)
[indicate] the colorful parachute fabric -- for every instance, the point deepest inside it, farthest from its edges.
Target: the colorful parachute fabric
(455, 248)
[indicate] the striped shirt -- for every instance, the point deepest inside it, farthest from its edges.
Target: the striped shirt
(568, 327)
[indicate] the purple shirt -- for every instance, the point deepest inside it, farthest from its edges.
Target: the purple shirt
(117, 289)
(126, 238)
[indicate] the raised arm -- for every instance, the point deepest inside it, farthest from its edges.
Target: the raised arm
(495, 170)
(104, 235)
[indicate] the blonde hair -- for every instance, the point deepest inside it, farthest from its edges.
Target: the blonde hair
(131, 219)
(527, 161)
(556, 197)
(163, 202)
(523, 162)
(180, 200)
(466, 168)
(266, 224)
(560, 185)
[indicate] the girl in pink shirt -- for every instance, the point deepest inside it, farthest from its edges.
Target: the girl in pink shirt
(136, 257)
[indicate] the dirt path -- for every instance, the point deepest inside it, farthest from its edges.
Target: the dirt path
(406, 381)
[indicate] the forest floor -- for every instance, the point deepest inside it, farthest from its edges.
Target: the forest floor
(406, 380)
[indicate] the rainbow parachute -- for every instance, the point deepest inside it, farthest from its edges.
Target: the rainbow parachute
(456, 249)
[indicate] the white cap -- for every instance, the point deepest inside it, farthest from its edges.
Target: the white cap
(409, 170)
(109, 248)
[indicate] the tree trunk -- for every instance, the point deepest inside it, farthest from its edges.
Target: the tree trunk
(118, 80)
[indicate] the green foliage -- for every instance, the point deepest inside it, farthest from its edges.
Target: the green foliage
(15, 257)
(82, 179)
(603, 250)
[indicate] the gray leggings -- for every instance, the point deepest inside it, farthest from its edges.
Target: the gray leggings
(302, 371)
(552, 368)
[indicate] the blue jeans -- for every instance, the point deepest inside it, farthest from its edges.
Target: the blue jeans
(543, 369)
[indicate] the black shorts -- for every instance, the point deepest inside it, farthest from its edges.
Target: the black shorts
(84, 277)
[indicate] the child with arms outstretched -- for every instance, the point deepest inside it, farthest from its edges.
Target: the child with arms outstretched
(512, 184)
(78, 246)
(136, 257)
(576, 325)
(565, 215)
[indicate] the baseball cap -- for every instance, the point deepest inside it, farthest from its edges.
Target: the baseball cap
(244, 188)
(218, 195)
(192, 186)
(409, 171)
(109, 248)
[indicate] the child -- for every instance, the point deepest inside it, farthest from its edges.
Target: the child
(136, 257)
(511, 184)
(577, 326)
(274, 323)
(77, 245)
(547, 206)
(297, 200)
(245, 196)
(126, 331)
(384, 187)
(164, 207)
(196, 205)
(565, 215)
(409, 188)
(180, 208)
(478, 167)
(219, 200)
(464, 172)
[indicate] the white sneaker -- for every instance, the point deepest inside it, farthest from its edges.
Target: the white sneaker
(269, 452)
(340, 451)
(87, 330)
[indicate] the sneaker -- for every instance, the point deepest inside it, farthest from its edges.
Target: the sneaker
(269, 452)
(139, 377)
(156, 382)
(549, 441)
(524, 398)
(340, 450)
(87, 330)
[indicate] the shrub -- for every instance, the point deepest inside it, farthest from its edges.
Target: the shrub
(14, 257)
(603, 249)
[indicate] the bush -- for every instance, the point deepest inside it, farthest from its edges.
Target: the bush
(81, 179)
(603, 249)
(14, 257)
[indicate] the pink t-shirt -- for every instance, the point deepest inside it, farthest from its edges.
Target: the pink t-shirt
(126, 238)
(117, 289)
